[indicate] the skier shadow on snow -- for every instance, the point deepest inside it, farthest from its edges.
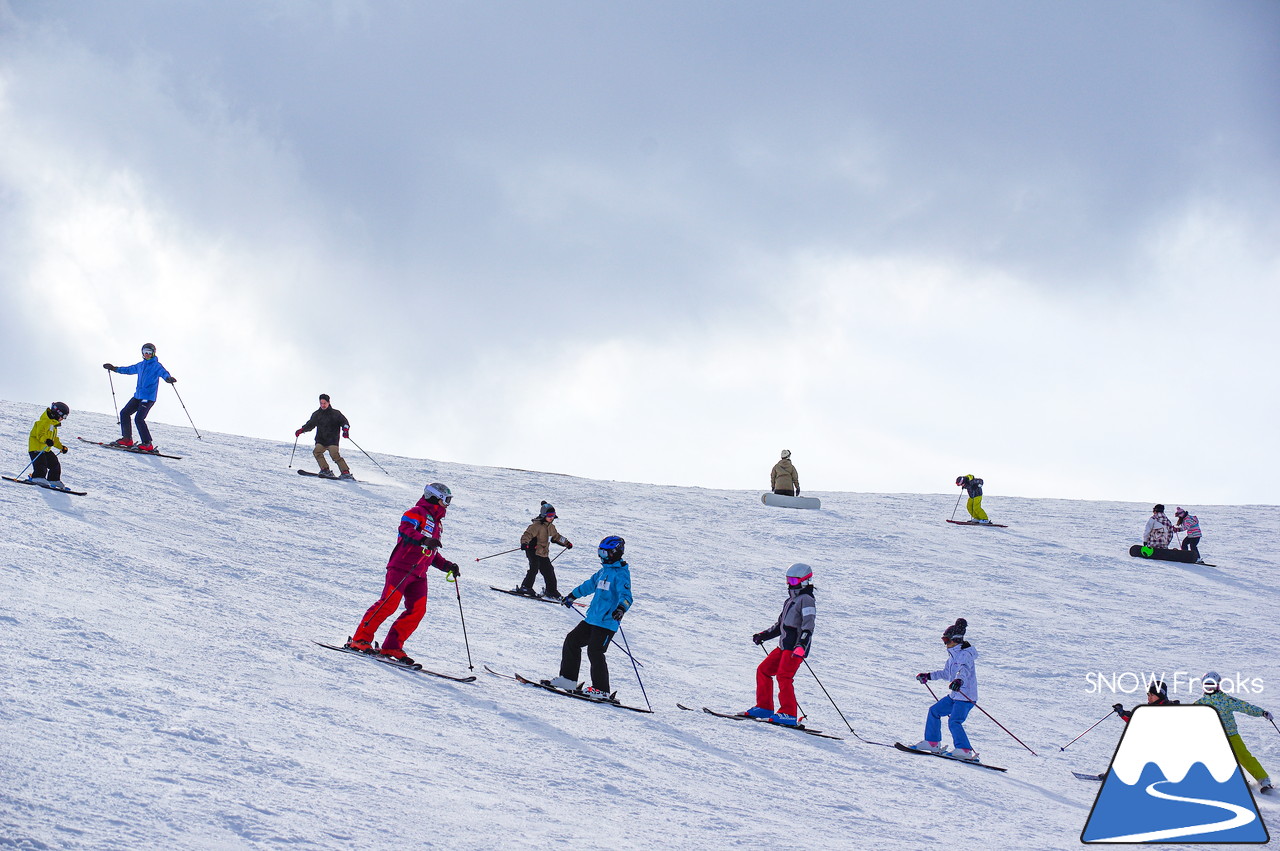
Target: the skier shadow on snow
(188, 484)
(1213, 574)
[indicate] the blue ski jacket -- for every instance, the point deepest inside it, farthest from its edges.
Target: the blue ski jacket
(611, 585)
(149, 372)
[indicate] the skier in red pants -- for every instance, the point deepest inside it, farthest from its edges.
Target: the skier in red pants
(416, 551)
(795, 626)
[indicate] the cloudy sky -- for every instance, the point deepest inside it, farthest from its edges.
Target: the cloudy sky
(1035, 241)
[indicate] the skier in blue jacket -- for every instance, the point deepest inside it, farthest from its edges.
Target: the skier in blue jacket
(149, 371)
(610, 590)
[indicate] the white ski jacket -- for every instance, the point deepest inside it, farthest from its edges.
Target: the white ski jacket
(960, 663)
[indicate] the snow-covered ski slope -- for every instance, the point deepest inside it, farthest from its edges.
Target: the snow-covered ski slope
(160, 687)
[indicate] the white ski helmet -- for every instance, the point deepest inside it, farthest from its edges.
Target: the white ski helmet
(799, 574)
(435, 490)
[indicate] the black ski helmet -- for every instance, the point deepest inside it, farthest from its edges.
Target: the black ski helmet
(60, 410)
(149, 347)
(611, 549)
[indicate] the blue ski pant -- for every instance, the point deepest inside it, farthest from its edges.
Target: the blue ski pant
(138, 409)
(958, 710)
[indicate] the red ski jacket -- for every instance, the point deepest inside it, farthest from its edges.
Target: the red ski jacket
(419, 525)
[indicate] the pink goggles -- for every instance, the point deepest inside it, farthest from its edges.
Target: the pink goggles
(793, 581)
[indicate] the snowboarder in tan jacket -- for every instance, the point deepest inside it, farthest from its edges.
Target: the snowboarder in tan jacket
(784, 479)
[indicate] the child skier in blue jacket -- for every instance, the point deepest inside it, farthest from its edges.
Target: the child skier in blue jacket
(610, 589)
(149, 371)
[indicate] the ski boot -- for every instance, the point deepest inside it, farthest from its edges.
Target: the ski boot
(359, 644)
(327, 474)
(563, 683)
(398, 656)
(347, 475)
(759, 713)
(785, 720)
(593, 693)
(929, 747)
(963, 754)
(123, 443)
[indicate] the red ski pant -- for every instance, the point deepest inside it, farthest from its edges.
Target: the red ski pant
(782, 664)
(399, 585)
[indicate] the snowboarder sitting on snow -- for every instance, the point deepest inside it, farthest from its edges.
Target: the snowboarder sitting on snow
(784, 479)
(536, 543)
(611, 587)
(1190, 525)
(149, 371)
(46, 470)
(1157, 695)
(973, 487)
(795, 626)
(1227, 705)
(327, 421)
(963, 677)
(1159, 531)
(416, 551)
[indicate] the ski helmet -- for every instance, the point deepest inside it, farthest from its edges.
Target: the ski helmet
(60, 410)
(786, 453)
(547, 511)
(611, 549)
(799, 574)
(1159, 688)
(959, 481)
(956, 631)
(438, 492)
(1211, 681)
(148, 347)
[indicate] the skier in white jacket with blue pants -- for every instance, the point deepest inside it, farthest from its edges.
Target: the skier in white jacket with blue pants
(962, 678)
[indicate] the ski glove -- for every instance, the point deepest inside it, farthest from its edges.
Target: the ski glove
(171, 380)
(798, 652)
(758, 638)
(346, 432)
(568, 545)
(431, 544)
(298, 433)
(450, 567)
(64, 450)
(923, 678)
(955, 684)
(618, 613)
(109, 367)
(1266, 715)
(568, 600)
(48, 442)
(1118, 708)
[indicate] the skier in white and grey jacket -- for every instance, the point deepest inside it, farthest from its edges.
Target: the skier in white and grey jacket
(961, 674)
(1159, 531)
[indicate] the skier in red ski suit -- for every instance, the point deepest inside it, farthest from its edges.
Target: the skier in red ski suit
(416, 551)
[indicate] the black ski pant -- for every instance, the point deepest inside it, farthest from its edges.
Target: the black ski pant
(46, 466)
(596, 639)
(138, 409)
(1193, 544)
(784, 491)
(540, 564)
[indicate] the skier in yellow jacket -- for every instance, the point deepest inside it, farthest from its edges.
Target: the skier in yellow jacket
(44, 445)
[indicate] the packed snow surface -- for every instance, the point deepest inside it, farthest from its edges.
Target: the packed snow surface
(161, 687)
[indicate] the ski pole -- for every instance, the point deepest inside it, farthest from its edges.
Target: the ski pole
(114, 404)
(370, 457)
(453, 577)
(953, 515)
(634, 667)
(624, 649)
(1081, 736)
(188, 413)
(504, 552)
(291, 454)
(998, 724)
(29, 463)
(830, 698)
(1273, 724)
(562, 552)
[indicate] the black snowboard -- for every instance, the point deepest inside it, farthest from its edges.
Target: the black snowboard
(1184, 556)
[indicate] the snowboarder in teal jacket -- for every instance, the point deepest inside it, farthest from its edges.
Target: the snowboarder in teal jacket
(610, 591)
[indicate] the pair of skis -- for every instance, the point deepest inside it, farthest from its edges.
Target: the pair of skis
(135, 450)
(900, 746)
(46, 487)
(538, 597)
(387, 660)
(546, 685)
(742, 716)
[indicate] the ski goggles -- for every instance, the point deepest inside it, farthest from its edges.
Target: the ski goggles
(795, 581)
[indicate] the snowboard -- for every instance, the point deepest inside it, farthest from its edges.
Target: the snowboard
(46, 487)
(976, 523)
(777, 500)
(1184, 556)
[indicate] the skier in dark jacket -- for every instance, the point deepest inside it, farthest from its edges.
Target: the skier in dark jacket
(328, 421)
(973, 486)
(149, 371)
(1157, 695)
(795, 627)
